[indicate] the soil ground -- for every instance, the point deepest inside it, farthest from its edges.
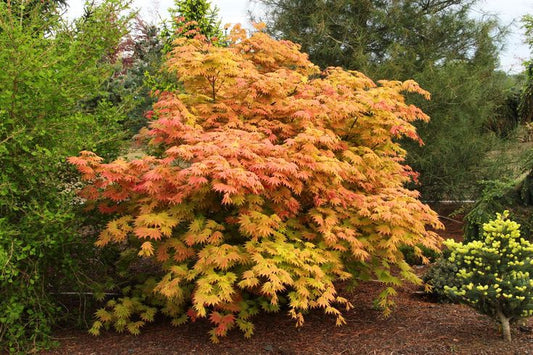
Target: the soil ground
(418, 325)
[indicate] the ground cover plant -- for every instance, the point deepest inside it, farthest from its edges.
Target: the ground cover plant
(269, 181)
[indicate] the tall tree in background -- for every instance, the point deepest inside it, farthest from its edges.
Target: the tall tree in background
(198, 16)
(363, 34)
(526, 100)
(200, 11)
(434, 42)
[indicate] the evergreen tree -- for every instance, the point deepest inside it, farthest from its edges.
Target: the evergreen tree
(526, 99)
(194, 16)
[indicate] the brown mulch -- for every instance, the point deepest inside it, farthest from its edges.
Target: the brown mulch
(417, 326)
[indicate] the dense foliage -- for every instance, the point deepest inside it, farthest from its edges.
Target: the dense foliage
(270, 180)
(526, 100)
(436, 43)
(514, 195)
(51, 74)
(494, 272)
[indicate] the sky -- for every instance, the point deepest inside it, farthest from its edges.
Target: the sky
(508, 12)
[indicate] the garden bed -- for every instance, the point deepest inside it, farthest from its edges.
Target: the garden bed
(418, 325)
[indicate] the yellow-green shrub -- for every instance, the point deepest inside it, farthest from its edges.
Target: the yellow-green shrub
(494, 272)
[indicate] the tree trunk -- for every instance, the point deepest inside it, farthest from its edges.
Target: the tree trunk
(506, 327)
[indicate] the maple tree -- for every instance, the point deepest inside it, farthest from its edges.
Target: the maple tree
(270, 180)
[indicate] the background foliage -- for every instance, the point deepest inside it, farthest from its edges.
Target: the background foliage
(514, 191)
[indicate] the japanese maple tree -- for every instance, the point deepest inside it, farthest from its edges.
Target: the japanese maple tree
(271, 180)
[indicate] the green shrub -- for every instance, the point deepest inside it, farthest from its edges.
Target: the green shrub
(412, 258)
(494, 274)
(440, 274)
(50, 71)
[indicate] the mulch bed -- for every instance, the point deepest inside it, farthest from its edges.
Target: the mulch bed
(417, 326)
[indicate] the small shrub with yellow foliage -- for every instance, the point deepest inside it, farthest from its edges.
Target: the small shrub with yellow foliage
(495, 272)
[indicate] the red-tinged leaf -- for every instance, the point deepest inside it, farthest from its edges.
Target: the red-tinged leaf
(106, 208)
(89, 192)
(145, 232)
(216, 317)
(153, 175)
(226, 199)
(197, 180)
(193, 315)
(116, 194)
(271, 177)
(77, 161)
(225, 189)
(228, 320)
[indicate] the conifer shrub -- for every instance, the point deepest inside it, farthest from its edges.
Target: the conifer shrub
(495, 272)
(440, 274)
(269, 181)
